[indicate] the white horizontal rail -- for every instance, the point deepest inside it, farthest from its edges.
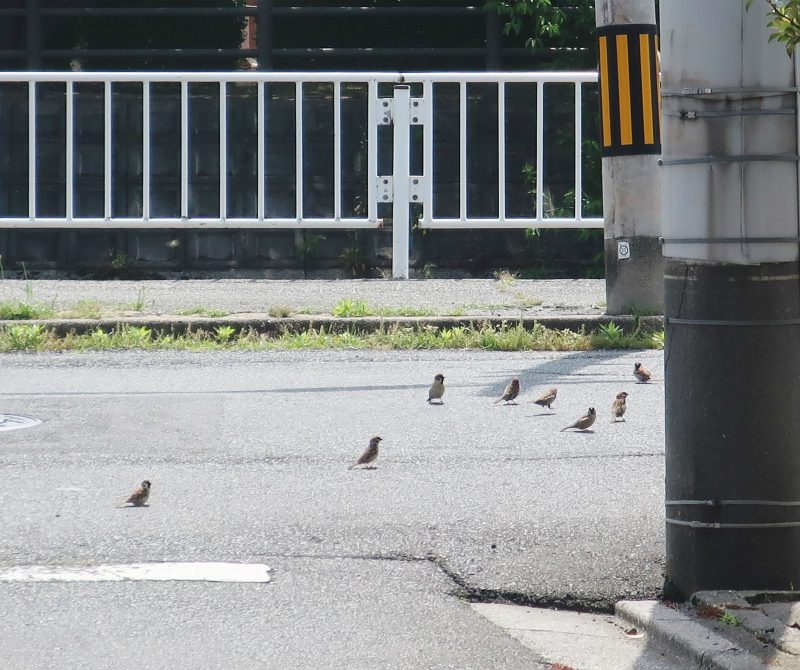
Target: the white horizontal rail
(311, 77)
(184, 222)
(509, 223)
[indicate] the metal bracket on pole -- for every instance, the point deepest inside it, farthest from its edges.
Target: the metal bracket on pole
(416, 111)
(385, 189)
(384, 111)
(416, 188)
(400, 214)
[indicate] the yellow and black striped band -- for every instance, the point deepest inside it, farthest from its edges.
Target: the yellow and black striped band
(630, 94)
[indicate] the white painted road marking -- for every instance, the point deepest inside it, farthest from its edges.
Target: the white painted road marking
(157, 572)
(15, 421)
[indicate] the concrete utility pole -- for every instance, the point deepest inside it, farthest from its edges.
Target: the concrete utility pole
(630, 139)
(731, 236)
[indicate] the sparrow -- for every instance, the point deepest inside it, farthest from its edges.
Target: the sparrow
(584, 422)
(642, 374)
(436, 390)
(139, 496)
(546, 399)
(511, 392)
(370, 453)
(618, 407)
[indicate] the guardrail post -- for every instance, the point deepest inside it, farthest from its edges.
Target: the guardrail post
(400, 204)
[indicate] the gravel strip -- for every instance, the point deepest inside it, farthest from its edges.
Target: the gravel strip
(442, 296)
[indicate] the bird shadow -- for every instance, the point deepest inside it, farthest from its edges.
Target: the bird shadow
(540, 415)
(131, 506)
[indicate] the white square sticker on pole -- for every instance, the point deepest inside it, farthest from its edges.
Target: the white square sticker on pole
(623, 250)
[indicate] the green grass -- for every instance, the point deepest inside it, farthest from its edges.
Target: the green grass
(347, 308)
(138, 304)
(405, 311)
(506, 277)
(280, 311)
(519, 303)
(85, 309)
(17, 310)
(730, 619)
(508, 337)
(201, 311)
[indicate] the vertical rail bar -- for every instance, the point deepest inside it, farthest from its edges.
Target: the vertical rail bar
(539, 151)
(298, 149)
(578, 153)
(337, 150)
(401, 174)
(462, 151)
(184, 150)
(146, 150)
(372, 150)
(427, 150)
(260, 169)
(70, 155)
(501, 149)
(32, 149)
(107, 150)
(223, 150)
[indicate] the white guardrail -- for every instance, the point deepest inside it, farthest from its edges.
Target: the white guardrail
(403, 100)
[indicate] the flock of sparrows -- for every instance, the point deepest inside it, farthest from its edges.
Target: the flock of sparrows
(436, 391)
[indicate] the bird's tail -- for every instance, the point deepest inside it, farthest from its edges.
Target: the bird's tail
(497, 401)
(350, 467)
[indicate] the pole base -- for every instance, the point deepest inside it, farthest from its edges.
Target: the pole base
(732, 378)
(635, 283)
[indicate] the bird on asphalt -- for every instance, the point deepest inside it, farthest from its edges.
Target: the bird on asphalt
(370, 453)
(642, 374)
(618, 407)
(436, 390)
(546, 399)
(511, 392)
(584, 422)
(139, 497)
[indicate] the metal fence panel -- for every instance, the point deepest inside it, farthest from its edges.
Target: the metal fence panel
(468, 150)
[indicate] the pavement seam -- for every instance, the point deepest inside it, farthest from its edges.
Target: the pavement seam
(472, 593)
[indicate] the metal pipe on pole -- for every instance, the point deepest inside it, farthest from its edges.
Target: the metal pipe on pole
(630, 141)
(732, 300)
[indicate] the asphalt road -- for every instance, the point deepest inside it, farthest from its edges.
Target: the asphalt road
(248, 456)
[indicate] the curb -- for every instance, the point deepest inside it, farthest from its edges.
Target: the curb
(260, 323)
(706, 649)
